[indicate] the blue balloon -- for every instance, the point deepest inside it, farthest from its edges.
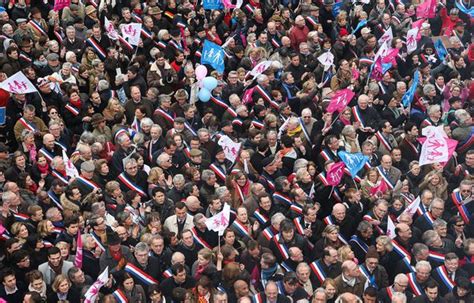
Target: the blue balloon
(204, 95)
(210, 83)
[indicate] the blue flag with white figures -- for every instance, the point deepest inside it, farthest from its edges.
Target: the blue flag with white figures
(440, 49)
(360, 25)
(213, 55)
(408, 96)
(353, 161)
(462, 7)
(336, 8)
(212, 4)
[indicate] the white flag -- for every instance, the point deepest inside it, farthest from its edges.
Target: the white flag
(260, 68)
(93, 291)
(411, 208)
(220, 221)
(18, 84)
(71, 170)
(435, 148)
(383, 50)
(390, 228)
(387, 37)
(231, 149)
(132, 31)
(411, 40)
(326, 59)
(110, 29)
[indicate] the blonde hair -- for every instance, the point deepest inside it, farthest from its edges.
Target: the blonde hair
(329, 229)
(343, 253)
(58, 280)
(15, 229)
(43, 228)
(154, 175)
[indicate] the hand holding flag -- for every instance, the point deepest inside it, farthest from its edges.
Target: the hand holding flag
(340, 100)
(219, 222)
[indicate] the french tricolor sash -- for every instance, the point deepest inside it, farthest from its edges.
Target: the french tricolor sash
(275, 43)
(383, 141)
(262, 219)
(286, 267)
(176, 45)
(137, 18)
(5, 235)
(322, 177)
(304, 130)
(189, 127)
(97, 241)
(318, 271)
(355, 239)
(466, 144)
(125, 42)
(369, 219)
(88, 183)
(47, 244)
(199, 240)
(399, 249)
(25, 57)
(132, 186)
(61, 177)
(436, 257)
(298, 225)
(257, 124)
(217, 171)
(397, 21)
(237, 122)
(140, 274)
(329, 221)
(60, 40)
(20, 217)
(413, 147)
(258, 297)
(357, 115)
(167, 273)
(281, 247)
(161, 44)
(415, 287)
(29, 126)
(463, 211)
(297, 209)
(270, 183)
(120, 296)
(366, 60)
(63, 147)
(55, 199)
(72, 109)
(241, 228)
(443, 274)
(37, 26)
(285, 200)
(429, 218)
(369, 277)
(164, 115)
(385, 177)
(98, 49)
(326, 155)
(426, 122)
(57, 230)
(266, 97)
(312, 21)
(389, 292)
(268, 233)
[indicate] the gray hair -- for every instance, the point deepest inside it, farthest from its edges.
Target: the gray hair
(142, 247)
(462, 116)
(277, 218)
(399, 297)
(261, 78)
(7, 196)
(432, 108)
(121, 138)
(348, 129)
(55, 162)
(206, 174)
(418, 248)
(161, 158)
(423, 263)
(67, 65)
(427, 89)
(146, 122)
(299, 163)
(26, 133)
(127, 161)
(221, 191)
(178, 178)
(69, 55)
(429, 237)
(87, 137)
(439, 223)
(363, 226)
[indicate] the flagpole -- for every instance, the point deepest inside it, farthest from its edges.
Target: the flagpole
(355, 183)
(332, 190)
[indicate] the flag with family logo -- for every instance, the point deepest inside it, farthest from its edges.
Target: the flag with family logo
(462, 7)
(435, 148)
(220, 221)
(412, 40)
(132, 32)
(335, 173)
(410, 93)
(353, 161)
(18, 84)
(213, 55)
(340, 100)
(440, 49)
(212, 4)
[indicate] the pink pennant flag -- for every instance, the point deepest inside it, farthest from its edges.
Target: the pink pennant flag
(390, 56)
(340, 100)
(417, 24)
(335, 173)
(2, 229)
(60, 4)
(390, 228)
(78, 258)
(426, 9)
(377, 70)
(435, 148)
(355, 73)
(379, 189)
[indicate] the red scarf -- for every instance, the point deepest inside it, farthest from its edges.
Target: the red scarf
(43, 169)
(76, 103)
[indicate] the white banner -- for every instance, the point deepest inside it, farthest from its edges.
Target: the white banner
(220, 221)
(386, 37)
(411, 40)
(260, 68)
(411, 209)
(110, 29)
(326, 59)
(132, 31)
(18, 84)
(231, 149)
(93, 291)
(435, 148)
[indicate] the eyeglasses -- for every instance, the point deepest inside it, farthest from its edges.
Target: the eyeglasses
(460, 225)
(53, 113)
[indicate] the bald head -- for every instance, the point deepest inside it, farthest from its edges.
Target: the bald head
(48, 141)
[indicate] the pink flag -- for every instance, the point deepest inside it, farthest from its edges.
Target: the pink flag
(381, 188)
(426, 9)
(60, 4)
(2, 229)
(355, 73)
(340, 100)
(78, 258)
(435, 148)
(335, 173)
(390, 56)
(417, 24)
(377, 70)
(451, 147)
(93, 291)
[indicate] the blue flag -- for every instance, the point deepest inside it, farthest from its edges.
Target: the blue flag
(360, 25)
(408, 96)
(213, 55)
(354, 162)
(336, 8)
(462, 7)
(212, 4)
(386, 67)
(440, 49)
(2, 115)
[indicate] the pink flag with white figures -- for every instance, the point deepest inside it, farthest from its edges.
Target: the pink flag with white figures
(340, 100)
(335, 173)
(377, 70)
(435, 148)
(390, 56)
(426, 9)
(452, 144)
(78, 258)
(60, 4)
(379, 189)
(355, 73)
(18, 84)
(417, 24)
(93, 291)
(219, 222)
(132, 32)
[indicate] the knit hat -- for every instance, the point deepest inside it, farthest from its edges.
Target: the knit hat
(372, 253)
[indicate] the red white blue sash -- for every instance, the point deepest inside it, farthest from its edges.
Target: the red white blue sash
(241, 228)
(37, 26)
(47, 244)
(389, 292)
(60, 40)
(443, 274)
(176, 45)
(137, 18)
(132, 186)
(217, 171)
(466, 144)
(298, 225)
(29, 126)
(366, 60)
(88, 183)
(222, 104)
(98, 49)
(20, 217)
(198, 239)
(357, 115)
(125, 42)
(322, 177)
(285, 200)
(399, 249)
(25, 57)
(385, 177)
(318, 271)
(286, 267)
(60, 176)
(326, 155)
(57, 230)
(140, 274)
(370, 278)
(120, 296)
(312, 21)
(257, 124)
(186, 124)
(282, 248)
(383, 141)
(258, 297)
(72, 109)
(55, 199)
(369, 219)
(268, 233)
(436, 257)
(5, 235)
(429, 218)
(97, 241)
(165, 115)
(262, 219)
(167, 273)
(49, 156)
(415, 287)
(237, 122)
(266, 97)
(463, 211)
(270, 183)
(297, 209)
(355, 239)
(275, 43)
(161, 44)
(412, 147)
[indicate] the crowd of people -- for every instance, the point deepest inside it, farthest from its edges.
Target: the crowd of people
(115, 165)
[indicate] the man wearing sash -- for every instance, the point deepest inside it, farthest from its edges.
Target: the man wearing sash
(133, 179)
(330, 151)
(390, 174)
(436, 210)
(145, 267)
(37, 24)
(221, 167)
(361, 241)
(265, 211)
(179, 278)
(86, 181)
(385, 138)
(410, 146)
(30, 122)
(98, 42)
(400, 285)
(262, 91)
(163, 114)
(366, 116)
(421, 277)
(202, 235)
(340, 218)
(287, 238)
(308, 225)
(460, 201)
(116, 256)
(371, 269)
(447, 273)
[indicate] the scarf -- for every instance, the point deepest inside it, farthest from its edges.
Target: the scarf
(344, 121)
(294, 132)
(57, 269)
(43, 169)
(76, 103)
(42, 292)
(117, 255)
(199, 271)
(268, 272)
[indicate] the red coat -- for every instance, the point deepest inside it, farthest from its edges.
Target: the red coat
(298, 35)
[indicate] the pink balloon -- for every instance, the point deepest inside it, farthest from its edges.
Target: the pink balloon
(201, 72)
